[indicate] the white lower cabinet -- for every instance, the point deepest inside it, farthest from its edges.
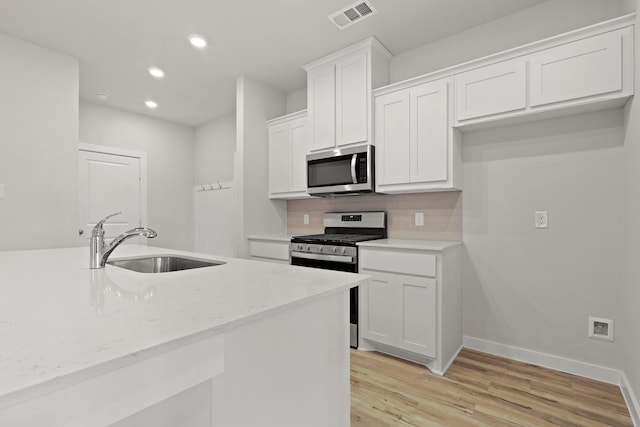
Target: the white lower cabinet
(412, 307)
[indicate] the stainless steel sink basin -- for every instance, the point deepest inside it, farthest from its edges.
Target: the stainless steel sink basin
(162, 263)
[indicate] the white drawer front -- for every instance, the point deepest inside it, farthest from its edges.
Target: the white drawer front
(421, 264)
(271, 250)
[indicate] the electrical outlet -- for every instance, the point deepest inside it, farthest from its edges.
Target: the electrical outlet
(542, 219)
(419, 220)
(601, 329)
(306, 219)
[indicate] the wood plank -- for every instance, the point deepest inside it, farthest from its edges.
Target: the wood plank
(478, 390)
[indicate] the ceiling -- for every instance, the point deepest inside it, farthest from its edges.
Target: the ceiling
(117, 40)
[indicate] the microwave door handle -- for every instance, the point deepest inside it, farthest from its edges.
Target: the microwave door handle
(354, 159)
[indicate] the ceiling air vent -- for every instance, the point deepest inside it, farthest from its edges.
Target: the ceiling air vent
(352, 14)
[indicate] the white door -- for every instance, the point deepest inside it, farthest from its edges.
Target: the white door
(416, 321)
(393, 155)
(109, 183)
(378, 311)
(322, 107)
(352, 100)
(299, 149)
(429, 134)
(279, 159)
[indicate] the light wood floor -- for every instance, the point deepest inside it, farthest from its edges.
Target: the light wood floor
(477, 390)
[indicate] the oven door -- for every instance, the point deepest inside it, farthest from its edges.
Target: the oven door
(332, 264)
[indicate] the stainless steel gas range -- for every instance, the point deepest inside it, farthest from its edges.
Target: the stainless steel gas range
(336, 248)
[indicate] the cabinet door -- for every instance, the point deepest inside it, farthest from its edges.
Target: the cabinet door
(279, 158)
(587, 67)
(352, 98)
(393, 148)
(493, 89)
(299, 148)
(321, 103)
(416, 325)
(378, 314)
(429, 133)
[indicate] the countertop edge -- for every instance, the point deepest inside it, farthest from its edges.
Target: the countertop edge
(422, 245)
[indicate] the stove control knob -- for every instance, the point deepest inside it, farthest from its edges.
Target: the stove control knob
(342, 250)
(320, 248)
(306, 248)
(334, 249)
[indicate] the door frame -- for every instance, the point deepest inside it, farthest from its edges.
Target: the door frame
(117, 151)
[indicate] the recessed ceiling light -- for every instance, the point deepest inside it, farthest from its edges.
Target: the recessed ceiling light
(102, 96)
(151, 104)
(156, 72)
(197, 41)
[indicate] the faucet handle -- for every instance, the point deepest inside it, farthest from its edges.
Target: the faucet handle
(98, 227)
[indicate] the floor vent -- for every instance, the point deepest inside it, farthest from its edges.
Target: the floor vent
(352, 14)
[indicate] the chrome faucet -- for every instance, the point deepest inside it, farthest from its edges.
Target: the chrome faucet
(99, 251)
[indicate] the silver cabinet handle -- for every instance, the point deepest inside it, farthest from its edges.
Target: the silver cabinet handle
(354, 178)
(321, 257)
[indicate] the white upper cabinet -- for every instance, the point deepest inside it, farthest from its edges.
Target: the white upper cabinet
(416, 148)
(495, 88)
(287, 150)
(585, 70)
(588, 67)
(339, 94)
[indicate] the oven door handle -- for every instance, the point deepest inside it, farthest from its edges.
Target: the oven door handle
(322, 257)
(354, 160)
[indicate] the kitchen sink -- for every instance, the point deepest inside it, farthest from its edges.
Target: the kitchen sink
(162, 263)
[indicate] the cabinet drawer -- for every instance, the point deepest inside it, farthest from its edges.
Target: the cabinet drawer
(421, 264)
(271, 250)
(588, 67)
(493, 89)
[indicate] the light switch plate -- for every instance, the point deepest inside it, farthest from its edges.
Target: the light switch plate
(306, 219)
(1, 191)
(419, 219)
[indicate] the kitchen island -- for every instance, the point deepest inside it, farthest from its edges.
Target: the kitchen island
(238, 344)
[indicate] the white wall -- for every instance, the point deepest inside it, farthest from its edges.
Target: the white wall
(170, 165)
(256, 103)
(628, 330)
(534, 288)
(540, 21)
(215, 143)
(297, 100)
(215, 218)
(38, 147)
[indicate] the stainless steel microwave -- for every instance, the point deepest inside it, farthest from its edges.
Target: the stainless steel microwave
(341, 172)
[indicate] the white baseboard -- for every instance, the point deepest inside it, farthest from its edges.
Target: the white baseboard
(563, 364)
(448, 364)
(630, 398)
(588, 370)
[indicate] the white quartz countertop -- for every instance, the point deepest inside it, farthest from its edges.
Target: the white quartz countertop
(423, 245)
(62, 323)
